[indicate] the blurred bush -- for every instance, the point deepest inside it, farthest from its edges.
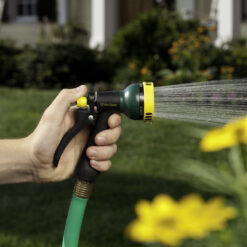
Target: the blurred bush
(63, 64)
(8, 54)
(146, 41)
(161, 47)
(158, 46)
(194, 58)
(51, 65)
(235, 58)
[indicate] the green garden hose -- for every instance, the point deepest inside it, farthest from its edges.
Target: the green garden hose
(76, 213)
(73, 222)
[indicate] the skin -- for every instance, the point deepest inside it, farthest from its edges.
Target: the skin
(30, 159)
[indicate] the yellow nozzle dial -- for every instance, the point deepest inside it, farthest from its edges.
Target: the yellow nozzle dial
(82, 102)
(148, 88)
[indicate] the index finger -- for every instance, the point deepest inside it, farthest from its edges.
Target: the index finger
(63, 101)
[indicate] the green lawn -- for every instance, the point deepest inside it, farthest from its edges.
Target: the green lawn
(34, 215)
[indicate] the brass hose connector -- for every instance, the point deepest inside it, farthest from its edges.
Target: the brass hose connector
(82, 189)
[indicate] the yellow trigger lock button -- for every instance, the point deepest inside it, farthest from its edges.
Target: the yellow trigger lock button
(82, 102)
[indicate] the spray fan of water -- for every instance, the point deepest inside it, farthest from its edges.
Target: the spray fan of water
(214, 102)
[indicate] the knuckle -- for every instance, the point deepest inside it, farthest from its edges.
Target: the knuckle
(102, 166)
(106, 153)
(47, 115)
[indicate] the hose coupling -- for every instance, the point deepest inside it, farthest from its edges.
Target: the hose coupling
(82, 189)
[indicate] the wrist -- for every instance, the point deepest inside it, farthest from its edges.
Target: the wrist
(28, 161)
(15, 163)
(23, 164)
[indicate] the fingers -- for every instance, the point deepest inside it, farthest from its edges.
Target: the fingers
(101, 166)
(110, 136)
(114, 120)
(101, 153)
(62, 102)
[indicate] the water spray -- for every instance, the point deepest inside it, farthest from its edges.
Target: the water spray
(209, 103)
(136, 102)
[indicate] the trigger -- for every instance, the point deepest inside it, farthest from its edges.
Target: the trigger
(83, 119)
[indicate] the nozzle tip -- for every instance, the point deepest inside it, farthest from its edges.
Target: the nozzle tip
(148, 88)
(82, 102)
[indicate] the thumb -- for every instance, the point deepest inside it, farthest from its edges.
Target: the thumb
(63, 101)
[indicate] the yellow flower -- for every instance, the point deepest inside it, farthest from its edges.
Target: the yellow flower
(132, 65)
(146, 71)
(206, 216)
(172, 50)
(200, 29)
(207, 39)
(227, 136)
(227, 69)
(230, 69)
(175, 44)
(206, 73)
(169, 222)
(197, 44)
(181, 41)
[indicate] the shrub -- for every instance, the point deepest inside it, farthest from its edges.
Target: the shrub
(64, 64)
(169, 77)
(192, 51)
(236, 58)
(148, 39)
(8, 62)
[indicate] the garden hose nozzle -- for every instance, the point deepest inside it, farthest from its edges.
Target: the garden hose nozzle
(136, 101)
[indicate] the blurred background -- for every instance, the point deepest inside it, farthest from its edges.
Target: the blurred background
(46, 45)
(60, 43)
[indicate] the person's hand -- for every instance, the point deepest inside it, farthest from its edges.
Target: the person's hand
(55, 122)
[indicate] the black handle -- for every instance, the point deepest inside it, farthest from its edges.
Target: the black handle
(83, 169)
(82, 120)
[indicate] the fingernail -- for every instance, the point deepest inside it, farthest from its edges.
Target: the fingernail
(91, 152)
(101, 139)
(81, 89)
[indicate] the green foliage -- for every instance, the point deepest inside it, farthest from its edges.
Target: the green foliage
(8, 62)
(160, 46)
(193, 51)
(146, 40)
(169, 77)
(65, 64)
(236, 57)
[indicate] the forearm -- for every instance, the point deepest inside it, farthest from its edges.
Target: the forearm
(15, 162)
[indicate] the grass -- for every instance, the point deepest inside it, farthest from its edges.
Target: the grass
(34, 214)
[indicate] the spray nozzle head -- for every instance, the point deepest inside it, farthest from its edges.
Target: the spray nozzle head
(136, 101)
